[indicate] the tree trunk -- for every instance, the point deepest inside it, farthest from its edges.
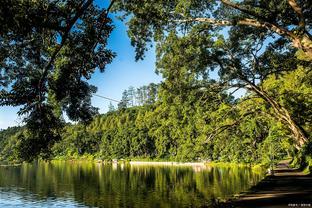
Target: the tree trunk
(282, 114)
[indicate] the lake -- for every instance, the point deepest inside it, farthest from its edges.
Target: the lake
(88, 184)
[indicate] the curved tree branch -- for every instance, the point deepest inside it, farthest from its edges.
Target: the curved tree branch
(298, 11)
(220, 129)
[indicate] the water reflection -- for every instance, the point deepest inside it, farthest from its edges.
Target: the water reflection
(78, 184)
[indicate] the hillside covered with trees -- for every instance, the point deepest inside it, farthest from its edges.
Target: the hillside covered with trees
(153, 123)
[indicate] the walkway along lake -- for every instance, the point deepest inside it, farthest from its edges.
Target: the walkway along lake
(88, 184)
(288, 187)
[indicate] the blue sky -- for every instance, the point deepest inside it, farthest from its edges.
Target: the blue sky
(119, 75)
(123, 71)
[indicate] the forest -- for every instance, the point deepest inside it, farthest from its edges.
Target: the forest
(256, 110)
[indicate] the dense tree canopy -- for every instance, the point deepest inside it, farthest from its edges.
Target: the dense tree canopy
(48, 50)
(289, 20)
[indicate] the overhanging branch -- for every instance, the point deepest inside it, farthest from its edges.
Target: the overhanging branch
(246, 21)
(293, 4)
(220, 129)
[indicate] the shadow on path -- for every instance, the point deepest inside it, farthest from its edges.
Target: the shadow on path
(287, 188)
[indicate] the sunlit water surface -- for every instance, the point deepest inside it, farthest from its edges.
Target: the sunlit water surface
(86, 184)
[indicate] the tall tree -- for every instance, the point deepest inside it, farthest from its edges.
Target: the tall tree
(124, 103)
(48, 50)
(140, 95)
(111, 107)
(131, 96)
(151, 93)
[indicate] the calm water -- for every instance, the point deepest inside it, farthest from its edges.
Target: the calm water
(83, 184)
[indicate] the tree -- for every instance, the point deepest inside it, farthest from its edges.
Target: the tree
(124, 103)
(48, 49)
(140, 95)
(238, 65)
(151, 93)
(131, 96)
(250, 53)
(111, 107)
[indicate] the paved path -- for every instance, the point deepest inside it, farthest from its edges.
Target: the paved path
(287, 188)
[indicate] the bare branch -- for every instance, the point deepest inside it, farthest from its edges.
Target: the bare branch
(110, 6)
(298, 11)
(234, 91)
(103, 17)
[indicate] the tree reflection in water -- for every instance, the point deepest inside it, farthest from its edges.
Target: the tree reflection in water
(122, 185)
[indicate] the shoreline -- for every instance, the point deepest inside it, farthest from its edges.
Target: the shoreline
(143, 162)
(164, 163)
(168, 163)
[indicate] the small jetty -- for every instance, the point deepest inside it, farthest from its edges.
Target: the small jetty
(288, 187)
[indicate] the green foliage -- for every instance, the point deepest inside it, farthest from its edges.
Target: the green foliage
(192, 43)
(145, 95)
(272, 149)
(49, 49)
(8, 140)
(48, 55)
(294, 91)
(187, 122)
(190, 122)
(154, 20)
